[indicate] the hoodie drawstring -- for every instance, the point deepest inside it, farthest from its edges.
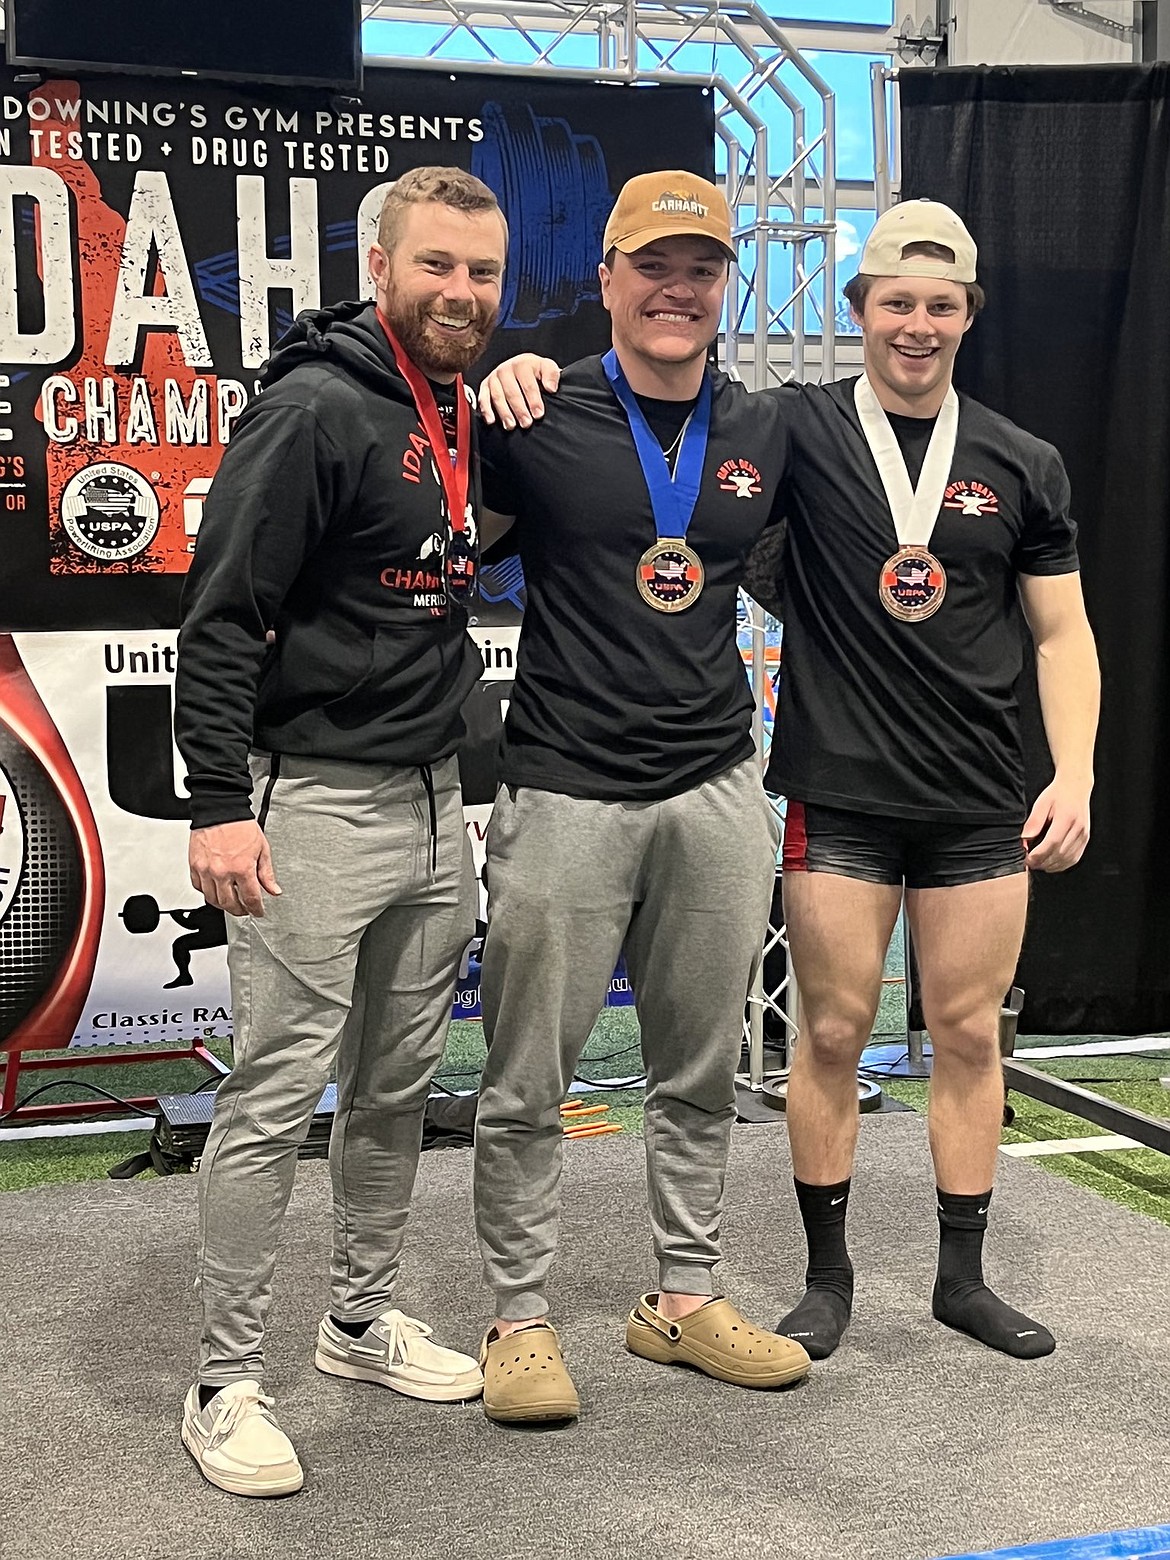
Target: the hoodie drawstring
(428, 781)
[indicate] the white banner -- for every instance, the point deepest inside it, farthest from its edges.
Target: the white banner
(159, 971)
(138, 958)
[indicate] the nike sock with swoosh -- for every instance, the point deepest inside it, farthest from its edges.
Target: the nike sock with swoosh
(823, 1315)
(961, 1298)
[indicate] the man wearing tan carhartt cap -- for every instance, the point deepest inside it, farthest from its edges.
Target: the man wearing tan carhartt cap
(919, 522)
(631, 810)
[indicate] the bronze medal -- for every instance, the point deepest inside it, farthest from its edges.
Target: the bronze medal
(912, 584)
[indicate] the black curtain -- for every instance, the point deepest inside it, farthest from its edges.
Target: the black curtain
(1063, 176)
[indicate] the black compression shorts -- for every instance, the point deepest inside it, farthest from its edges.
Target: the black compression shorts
(880, 849)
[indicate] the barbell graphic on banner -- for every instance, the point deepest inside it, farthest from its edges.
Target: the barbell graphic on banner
(141, 913)
(205, 926)
(554, 187)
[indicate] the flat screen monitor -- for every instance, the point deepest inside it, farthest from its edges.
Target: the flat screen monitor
(311, 42)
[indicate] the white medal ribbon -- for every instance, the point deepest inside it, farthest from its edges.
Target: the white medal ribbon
(914, 510)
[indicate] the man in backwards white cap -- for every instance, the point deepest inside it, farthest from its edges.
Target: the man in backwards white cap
(917, 519)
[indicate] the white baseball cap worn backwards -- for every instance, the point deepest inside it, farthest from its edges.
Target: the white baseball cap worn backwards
(919, 222)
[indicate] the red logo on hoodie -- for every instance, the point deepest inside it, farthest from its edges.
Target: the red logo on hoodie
(417, 450)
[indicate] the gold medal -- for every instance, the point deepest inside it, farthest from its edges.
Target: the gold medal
(912, 584)
(670, 575)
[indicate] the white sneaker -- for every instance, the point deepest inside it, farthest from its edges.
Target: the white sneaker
(394, 1352)
(238, 1444)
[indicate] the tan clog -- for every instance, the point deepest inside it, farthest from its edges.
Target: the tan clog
(717, 1340)
(524, 1377)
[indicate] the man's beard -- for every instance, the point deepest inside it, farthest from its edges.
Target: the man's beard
(430, 351)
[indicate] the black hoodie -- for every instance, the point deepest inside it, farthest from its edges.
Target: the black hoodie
(326, 522)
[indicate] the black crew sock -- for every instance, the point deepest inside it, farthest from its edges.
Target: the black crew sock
(962, 1300)
(823, 1315)
(206, 1394)
(350, 1329)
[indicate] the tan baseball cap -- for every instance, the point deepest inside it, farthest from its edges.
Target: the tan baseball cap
(919, 222)
(663, 205)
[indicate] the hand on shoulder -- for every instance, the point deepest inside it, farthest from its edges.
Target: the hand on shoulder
(511, 391)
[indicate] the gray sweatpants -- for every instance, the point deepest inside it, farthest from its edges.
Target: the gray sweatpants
(352, 966)
(687, 884)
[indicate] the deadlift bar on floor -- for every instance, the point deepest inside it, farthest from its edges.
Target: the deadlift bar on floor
(1070, 1097)
(1059, 1093)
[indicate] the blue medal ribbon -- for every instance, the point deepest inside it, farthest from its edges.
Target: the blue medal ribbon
(672, 499)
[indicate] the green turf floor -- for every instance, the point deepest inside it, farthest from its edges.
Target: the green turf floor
(1138, 1178)
(612, 1052)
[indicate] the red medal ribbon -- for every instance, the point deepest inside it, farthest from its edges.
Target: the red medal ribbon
(453, 476)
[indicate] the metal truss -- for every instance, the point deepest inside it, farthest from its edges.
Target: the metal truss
(1096, 19)
(774, 119)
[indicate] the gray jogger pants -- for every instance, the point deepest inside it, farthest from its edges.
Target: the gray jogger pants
(353, 965)
(686, 884)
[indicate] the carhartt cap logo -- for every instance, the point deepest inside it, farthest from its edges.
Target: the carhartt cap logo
(674, 205)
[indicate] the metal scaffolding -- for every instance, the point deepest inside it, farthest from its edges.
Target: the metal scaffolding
(773, 119)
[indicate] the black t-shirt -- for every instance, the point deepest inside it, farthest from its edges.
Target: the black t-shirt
(918, 719)
(913, 435)
(667, 421)
(614, 700)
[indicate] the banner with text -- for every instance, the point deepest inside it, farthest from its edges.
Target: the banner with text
(102, 938)
(156, 238)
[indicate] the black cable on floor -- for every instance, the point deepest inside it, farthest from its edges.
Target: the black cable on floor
(886, 1069)
(77, 1083)
(1099, 1080)
(610, 1055)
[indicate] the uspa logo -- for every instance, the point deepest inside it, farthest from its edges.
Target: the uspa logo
(11, 844)
(110, 511)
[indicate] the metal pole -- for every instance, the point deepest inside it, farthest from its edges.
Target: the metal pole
(792, 1014)
(879, 75)
(915, 1034)
(756, 995)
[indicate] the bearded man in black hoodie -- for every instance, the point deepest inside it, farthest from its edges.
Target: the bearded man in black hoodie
(323, 665)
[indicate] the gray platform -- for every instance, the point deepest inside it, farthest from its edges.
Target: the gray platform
(911, 1442)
